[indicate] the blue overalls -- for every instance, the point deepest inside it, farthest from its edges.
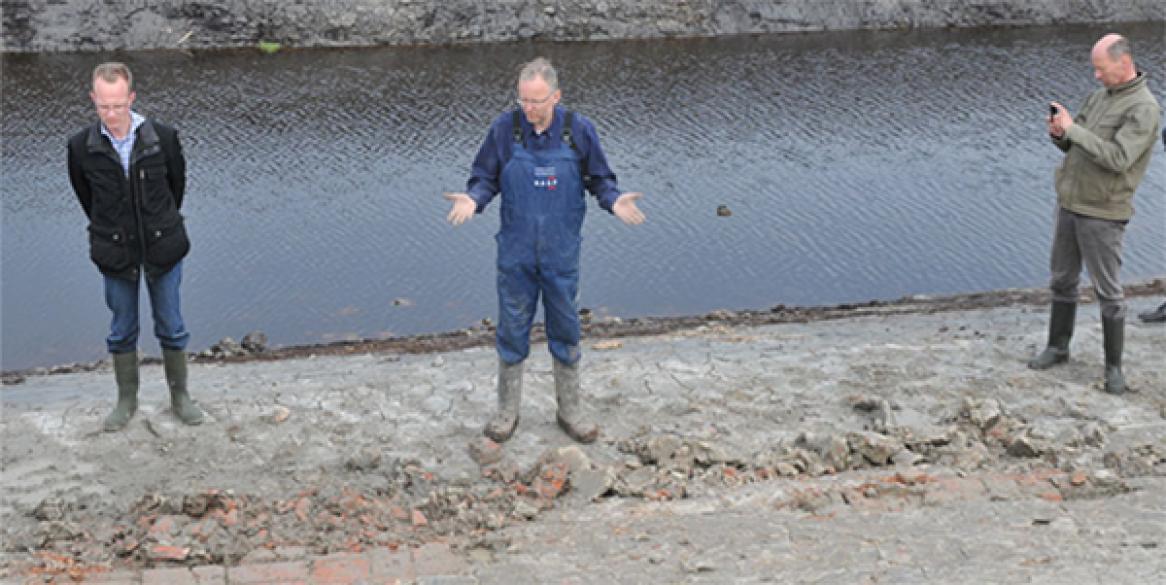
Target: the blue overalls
(538, 249)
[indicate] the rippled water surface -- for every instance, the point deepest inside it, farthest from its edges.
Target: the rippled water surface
(857, 166)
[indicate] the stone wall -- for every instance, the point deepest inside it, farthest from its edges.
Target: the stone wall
(99, 25)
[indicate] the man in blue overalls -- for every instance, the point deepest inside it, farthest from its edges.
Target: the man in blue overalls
(540, 157)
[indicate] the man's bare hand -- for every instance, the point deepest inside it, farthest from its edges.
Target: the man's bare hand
(462, 210)
(1061, 122)
(625, 209)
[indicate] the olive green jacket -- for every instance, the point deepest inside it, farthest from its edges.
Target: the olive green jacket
(1107, 151)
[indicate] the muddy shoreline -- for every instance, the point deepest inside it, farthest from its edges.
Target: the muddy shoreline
(614, 328)
(733, 446)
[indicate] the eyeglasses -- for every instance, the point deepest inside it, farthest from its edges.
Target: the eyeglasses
(529, 102)
(112, 107)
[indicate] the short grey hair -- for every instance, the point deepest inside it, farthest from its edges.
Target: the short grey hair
(1119, 47)
(112, 71)
(542, 68)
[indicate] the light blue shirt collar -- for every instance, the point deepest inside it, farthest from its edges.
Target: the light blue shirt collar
(125, 146)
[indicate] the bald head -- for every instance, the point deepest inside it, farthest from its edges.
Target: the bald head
(1113, 62)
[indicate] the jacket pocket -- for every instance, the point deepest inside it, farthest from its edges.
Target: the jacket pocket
(166, 243)
(108, 249)
(154, 190)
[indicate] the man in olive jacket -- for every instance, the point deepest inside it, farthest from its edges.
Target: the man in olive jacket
(129, 175)
(1107, 150)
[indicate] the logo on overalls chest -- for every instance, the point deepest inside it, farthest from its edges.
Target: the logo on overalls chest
(544, 178)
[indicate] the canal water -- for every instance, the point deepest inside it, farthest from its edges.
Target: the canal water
(856, 166)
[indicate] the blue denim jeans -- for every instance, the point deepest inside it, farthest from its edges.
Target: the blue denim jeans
(121, 296)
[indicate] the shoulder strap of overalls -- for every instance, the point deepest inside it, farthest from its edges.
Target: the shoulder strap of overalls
(568, 122)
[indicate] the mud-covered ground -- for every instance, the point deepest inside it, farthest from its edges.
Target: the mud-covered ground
(892, 442)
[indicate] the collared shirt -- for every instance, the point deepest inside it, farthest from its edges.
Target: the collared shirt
(485, 178)
(125, 146)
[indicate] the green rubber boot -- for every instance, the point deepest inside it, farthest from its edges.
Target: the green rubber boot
(125, 371)
(1114, 338)
(1061, 321)
(174, 361)
(571, 416)
(502, 425)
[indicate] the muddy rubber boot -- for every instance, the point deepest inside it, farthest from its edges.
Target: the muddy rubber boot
(502, 425)
(1061, 321)
(125, 371)
(174, 362)
(570, 415)
(1114, 333)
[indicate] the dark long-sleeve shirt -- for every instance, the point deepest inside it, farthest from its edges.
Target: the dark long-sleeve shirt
(485, 177)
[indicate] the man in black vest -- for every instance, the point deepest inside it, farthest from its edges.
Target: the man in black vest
(129, 175)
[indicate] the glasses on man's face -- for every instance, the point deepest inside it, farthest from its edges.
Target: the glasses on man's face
(112, 107)
(527, 102)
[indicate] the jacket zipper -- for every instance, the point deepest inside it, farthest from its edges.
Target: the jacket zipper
(135, 198)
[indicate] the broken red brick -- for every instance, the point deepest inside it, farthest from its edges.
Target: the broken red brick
(126, 547)
(419, 519)
(910, 478)
(1052, 496)
(399, 513)
(168, 553)
(341, 568)
(1078, 478)
(303, 507)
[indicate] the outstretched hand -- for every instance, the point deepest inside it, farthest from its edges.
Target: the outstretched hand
(462, 210)
(625, 209)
